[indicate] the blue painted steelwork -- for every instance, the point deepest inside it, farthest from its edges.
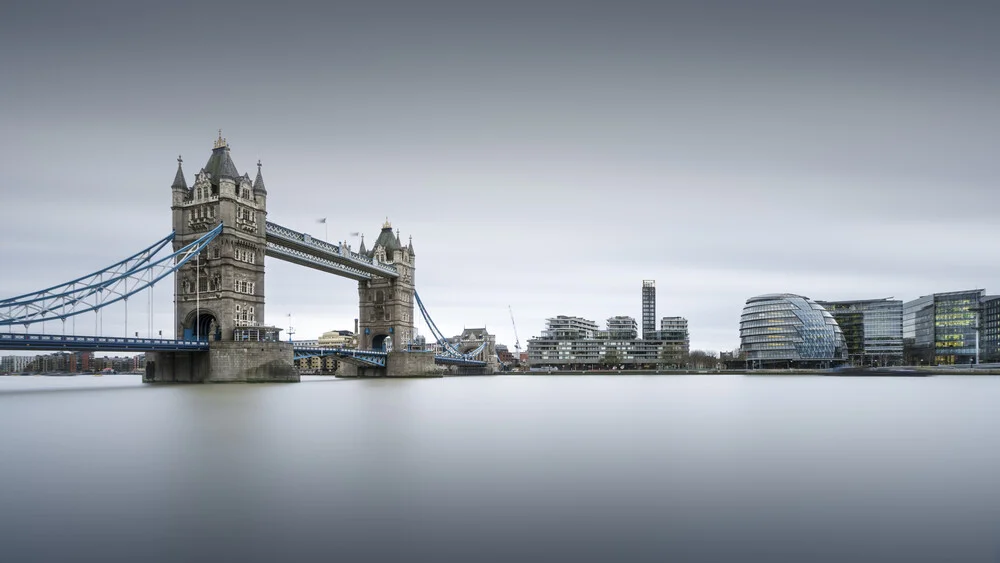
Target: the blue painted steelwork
(453, 361)
(367, 357)
(118, 268)
(73, 298)
(42, 342)
(435, 331)
(304, 250)
(453, 357)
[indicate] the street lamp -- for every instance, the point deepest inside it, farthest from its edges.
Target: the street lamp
(291, 331)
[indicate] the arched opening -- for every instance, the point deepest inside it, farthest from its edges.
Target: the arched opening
(205, 327)
(382, 342)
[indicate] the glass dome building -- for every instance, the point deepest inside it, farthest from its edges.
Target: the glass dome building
(782, 330)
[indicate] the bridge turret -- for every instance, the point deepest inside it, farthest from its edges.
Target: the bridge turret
(224, 287)
(386, 304)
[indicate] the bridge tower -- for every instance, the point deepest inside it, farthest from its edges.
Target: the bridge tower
(386, 304)
(224, 288)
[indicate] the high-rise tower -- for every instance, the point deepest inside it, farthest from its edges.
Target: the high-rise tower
(648, 308)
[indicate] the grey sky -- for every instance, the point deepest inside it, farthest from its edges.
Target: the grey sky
(546, 156)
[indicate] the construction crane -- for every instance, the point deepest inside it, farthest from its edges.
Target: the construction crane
(517, 341)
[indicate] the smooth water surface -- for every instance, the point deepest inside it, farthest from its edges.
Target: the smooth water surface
(511, 468)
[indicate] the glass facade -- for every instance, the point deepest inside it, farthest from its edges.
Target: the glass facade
(956, 323)
(941, 329)
(785, 330)
(873, 330)
(989, 334)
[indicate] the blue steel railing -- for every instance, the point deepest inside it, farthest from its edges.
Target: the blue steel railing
(14, 341)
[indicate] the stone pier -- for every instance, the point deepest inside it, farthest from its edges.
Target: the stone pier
(397, 364)
(224, 362)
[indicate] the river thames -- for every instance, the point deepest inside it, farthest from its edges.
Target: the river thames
(510, 468)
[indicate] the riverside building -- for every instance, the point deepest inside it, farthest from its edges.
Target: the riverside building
(575, 343)
(873, 330)
(783, 330)
(989, 332)
(941, 329)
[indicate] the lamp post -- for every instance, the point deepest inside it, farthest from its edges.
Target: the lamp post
(291, 331)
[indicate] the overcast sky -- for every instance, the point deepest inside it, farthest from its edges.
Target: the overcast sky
(544, 156)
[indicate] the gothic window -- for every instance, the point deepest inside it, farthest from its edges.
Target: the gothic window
(379, 296)
(371, 315)
(215, 252)
(388, 316)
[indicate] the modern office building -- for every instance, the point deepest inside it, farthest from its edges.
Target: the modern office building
(873, 330)
(785, 330)
(941, 329)
(989, 330)
(648, 307)
(622, 328)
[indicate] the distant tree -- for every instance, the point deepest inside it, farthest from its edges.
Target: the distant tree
(611, 358)
(700, 359)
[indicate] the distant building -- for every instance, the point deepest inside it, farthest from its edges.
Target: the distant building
(503, 353)
(648, 307)
(941, 329)
(873, 330)
(989, 333)
(575, 343)
(786, 331)
(14, 364)
(338, 339)
(674, 338)
(622, 328)
(317, 365)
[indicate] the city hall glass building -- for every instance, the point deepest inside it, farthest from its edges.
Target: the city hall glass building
(784, 330)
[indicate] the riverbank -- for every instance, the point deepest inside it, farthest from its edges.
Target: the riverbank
(921, 371)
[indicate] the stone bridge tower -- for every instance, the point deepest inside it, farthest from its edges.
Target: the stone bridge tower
(386, 305)
(224, 287)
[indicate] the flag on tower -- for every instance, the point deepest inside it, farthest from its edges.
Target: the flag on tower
(355, 234)
(323, 220)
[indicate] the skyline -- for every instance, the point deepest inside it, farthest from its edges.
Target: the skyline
(724, 152)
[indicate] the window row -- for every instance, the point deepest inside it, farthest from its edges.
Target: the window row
(243, 286)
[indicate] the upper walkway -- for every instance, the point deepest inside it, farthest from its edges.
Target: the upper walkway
(302, 249)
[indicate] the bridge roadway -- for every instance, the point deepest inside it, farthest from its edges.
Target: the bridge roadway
(56, 343)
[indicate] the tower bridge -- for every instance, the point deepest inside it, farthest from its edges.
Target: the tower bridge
(220, 238)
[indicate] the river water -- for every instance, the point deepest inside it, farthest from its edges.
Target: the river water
(511, 468)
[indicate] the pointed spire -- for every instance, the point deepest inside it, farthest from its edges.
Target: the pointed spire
(399, 244)
(258, 184)
(411, 246)
(179, 182)
(362, 250)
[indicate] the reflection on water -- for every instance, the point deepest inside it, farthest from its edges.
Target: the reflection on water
(599, 468)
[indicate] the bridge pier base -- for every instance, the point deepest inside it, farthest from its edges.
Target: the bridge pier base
(225, 362)
(411, 364)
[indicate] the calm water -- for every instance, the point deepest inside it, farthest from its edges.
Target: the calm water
(600, 468)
